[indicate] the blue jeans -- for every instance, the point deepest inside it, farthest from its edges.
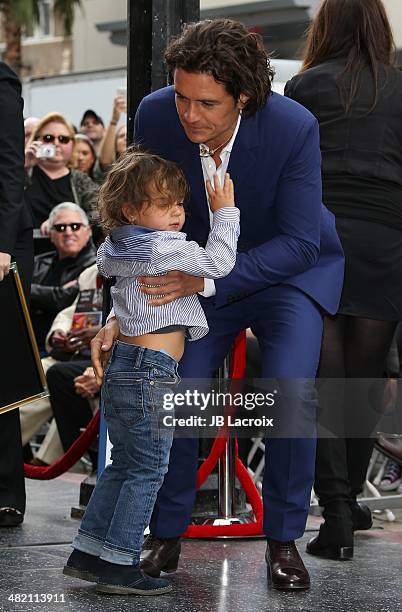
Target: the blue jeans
(120, 507)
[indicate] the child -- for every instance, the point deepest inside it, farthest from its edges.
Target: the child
(142, 209)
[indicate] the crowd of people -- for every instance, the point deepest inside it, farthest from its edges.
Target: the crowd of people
(316, 178)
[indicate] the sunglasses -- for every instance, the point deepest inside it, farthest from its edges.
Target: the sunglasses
(50, 138)
(61, 227)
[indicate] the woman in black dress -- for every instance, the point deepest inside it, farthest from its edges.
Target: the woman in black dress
(348, 82)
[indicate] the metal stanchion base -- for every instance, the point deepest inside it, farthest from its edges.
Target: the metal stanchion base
(206, 509)
(86, 488)
(242, 518)
(229, 520)
(218, 522)
(207, 499)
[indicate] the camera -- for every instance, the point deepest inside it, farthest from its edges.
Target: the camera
(46, 151)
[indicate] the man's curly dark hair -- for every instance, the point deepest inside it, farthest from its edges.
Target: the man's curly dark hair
(231, 54)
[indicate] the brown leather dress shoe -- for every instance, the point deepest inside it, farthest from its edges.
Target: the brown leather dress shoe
(160, 555)
(285, 568)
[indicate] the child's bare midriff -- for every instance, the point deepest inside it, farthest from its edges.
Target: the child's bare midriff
(172, 342)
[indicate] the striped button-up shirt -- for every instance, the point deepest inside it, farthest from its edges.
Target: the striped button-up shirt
(131, 251)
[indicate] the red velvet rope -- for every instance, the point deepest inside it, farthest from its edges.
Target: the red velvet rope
(251, 528)
(66, 461)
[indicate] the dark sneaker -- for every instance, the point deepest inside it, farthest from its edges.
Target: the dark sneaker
(129, 580)
(83, 566)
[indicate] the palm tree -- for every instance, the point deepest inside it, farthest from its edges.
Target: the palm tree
(20, 14)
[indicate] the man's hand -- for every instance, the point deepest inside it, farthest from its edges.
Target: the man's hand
(101, 346)
(170, 286)
(5, 260)
(86, 385)
(220, 197)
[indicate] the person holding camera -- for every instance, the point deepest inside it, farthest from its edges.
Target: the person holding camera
(49, 179)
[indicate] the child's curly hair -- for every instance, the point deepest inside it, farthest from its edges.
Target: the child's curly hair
(129, 182)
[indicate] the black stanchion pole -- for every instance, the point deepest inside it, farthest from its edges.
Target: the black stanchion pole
(151, 25)
(169, 16)
(139, 57)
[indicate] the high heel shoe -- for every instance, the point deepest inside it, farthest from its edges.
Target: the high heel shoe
(361, 516)
(335, 538)
(321, 547)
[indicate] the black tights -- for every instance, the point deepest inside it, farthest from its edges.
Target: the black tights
(353, 347)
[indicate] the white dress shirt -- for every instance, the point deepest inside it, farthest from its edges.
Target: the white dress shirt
(209, 169)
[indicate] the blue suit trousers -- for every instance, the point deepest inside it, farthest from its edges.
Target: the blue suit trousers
(288, 325)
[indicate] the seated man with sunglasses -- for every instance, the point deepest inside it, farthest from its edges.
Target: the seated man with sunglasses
(54, 283)
(49, 179)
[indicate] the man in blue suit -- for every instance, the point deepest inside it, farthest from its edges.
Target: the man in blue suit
(220, 115)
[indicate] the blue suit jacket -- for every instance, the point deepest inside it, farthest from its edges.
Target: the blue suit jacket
(287, 235)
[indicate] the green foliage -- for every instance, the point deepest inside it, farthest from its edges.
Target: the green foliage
(21, 12)
(65, 9)
(26, 12)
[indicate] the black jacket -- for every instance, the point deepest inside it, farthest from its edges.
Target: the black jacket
(52, 299)
(362, 149)
(358, 143)
(14, 214)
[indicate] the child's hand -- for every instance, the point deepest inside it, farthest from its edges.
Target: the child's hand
(220, 197)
